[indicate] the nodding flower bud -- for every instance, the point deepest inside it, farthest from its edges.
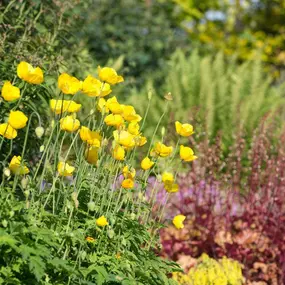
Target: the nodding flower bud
(91, 206)
(39, 131)
(7, 172)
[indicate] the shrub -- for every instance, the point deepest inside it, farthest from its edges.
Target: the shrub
(233, 210)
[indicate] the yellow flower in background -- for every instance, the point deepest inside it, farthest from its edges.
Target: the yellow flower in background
(178, 221)
(187, 154)
(146, 163)
(109, 75)
(167, 177)
(62, 106)
(162, 150)
(93, 87)
(90, 239)
(7, 131)
(124, 138)
(128, 183)
(28, 73)
(64, 169)
(16, 167)
(91, 155)
(133, 128)
(114, 106)
(68, 84)
(102, 105)
(171, 187)
(119, 153)
(17, 119)
(91, 137)
(10, 92)
(140, 140)
(184, 130)
(129, 114)
(129, 173)
(114, 120)
(101, 222)
(69, 124)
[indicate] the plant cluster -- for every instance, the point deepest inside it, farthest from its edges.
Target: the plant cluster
(233, 208)
(75, 211)
(209, 271)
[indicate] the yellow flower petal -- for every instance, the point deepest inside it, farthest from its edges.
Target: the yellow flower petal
(28, 73)
(178, 221)
(17, 119)
(7, 131)
(10, 92)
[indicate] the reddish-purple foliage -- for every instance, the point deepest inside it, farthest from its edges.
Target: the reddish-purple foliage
(234, 207)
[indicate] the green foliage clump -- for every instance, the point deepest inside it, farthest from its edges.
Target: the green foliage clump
(224, 95)
(208, 271)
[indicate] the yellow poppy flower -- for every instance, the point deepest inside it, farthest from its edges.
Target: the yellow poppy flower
(124, 138)
(114, 120)
(94, 87)
(64, 169)
(69, 124)
(16, 167)
(178, 221)
(28, 73)
(129, 114)
(140, 140)
(184, 130)
(167, 177)
(91, 155)
(7, 131)
(187, 154)
(91, 137)
(129, 173)
(101, 222)
(102, 105)
(10, 92)
(109, 75)
(119, 153)
(128, 183)
(146, 163)
(62, 106)
(133, 128)
(114, 106)
(17, 119)
(171, 187)
(68, 84)
(162, 150)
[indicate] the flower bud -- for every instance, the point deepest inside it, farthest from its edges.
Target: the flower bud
(7, 172)
(149, 95)
(91, 206)
(39, 131)
(24, 182)
(42, 148)
(163, 131)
